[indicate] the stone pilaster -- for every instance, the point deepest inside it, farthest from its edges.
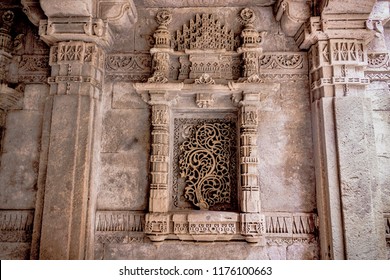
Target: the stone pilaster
(252, 222)
(157, 220)
(249, 159)
(348, 197)
(75, 90)
(159, 159)
(66, 197)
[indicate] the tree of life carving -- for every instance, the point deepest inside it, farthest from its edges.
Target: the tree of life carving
(204, 163)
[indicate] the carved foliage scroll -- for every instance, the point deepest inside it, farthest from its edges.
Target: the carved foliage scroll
(204, 163)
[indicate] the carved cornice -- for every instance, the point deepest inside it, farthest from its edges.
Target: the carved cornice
(202, 3)
(137, 67)
(344, 26)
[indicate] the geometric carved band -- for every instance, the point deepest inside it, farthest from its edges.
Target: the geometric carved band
(16, 225)
(279, 227)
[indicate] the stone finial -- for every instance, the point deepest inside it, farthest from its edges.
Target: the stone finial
(251, 38)
(164, 17)
(247, 16)
(162, 36)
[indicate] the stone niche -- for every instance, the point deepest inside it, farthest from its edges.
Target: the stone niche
(204, 94)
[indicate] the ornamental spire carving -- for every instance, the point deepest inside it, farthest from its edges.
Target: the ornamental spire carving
(205, 32)
(250, 48)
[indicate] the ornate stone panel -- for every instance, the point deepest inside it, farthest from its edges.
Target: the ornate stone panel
(213, 159)
(119, 226)
(218, 167)
(278, 228)
(128, 67)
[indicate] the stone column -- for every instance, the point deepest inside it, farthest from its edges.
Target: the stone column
(159, 159)
(157, 220)
(79, 36)
(348, 198)
(75, 90)
(252, 222)
(250, 200)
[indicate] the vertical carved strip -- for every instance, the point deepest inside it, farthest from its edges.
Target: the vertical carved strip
(249, 160)
(159, 159)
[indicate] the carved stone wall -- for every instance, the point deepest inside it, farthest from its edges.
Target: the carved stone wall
(189, 122)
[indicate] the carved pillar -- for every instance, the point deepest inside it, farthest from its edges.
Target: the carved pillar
(348, 196)
(250, 48)
(66, 201)
(159, 159)
(75, 90)
(157, 220)
(249, 158)
(252, 222)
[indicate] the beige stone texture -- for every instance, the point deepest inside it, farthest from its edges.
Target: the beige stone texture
(173, 250)
(101, 112)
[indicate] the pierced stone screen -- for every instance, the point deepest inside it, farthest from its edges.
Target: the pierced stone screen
(205, 164)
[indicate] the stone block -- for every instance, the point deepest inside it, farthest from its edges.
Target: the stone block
(19, 161)
(285, 147)
(126, 131)
(299, 251)
(22, 133)
(124, 181)
(124, 96)
(360, 195)
(15, 251)
(35, 96)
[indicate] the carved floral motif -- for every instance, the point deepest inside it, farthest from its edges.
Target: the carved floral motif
(205, 79)
(281, 61)
(247, 16)
(205, 164)
(378, 60)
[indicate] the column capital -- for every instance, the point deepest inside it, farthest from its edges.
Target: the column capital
(89, 20)
(330, 20)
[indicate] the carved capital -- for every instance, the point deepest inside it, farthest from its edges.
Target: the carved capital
(87, 21)
(157, 226)
(33, 10)
(292, 14)
(337, 26)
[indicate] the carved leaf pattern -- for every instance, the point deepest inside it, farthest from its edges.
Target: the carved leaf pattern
(204, 163)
